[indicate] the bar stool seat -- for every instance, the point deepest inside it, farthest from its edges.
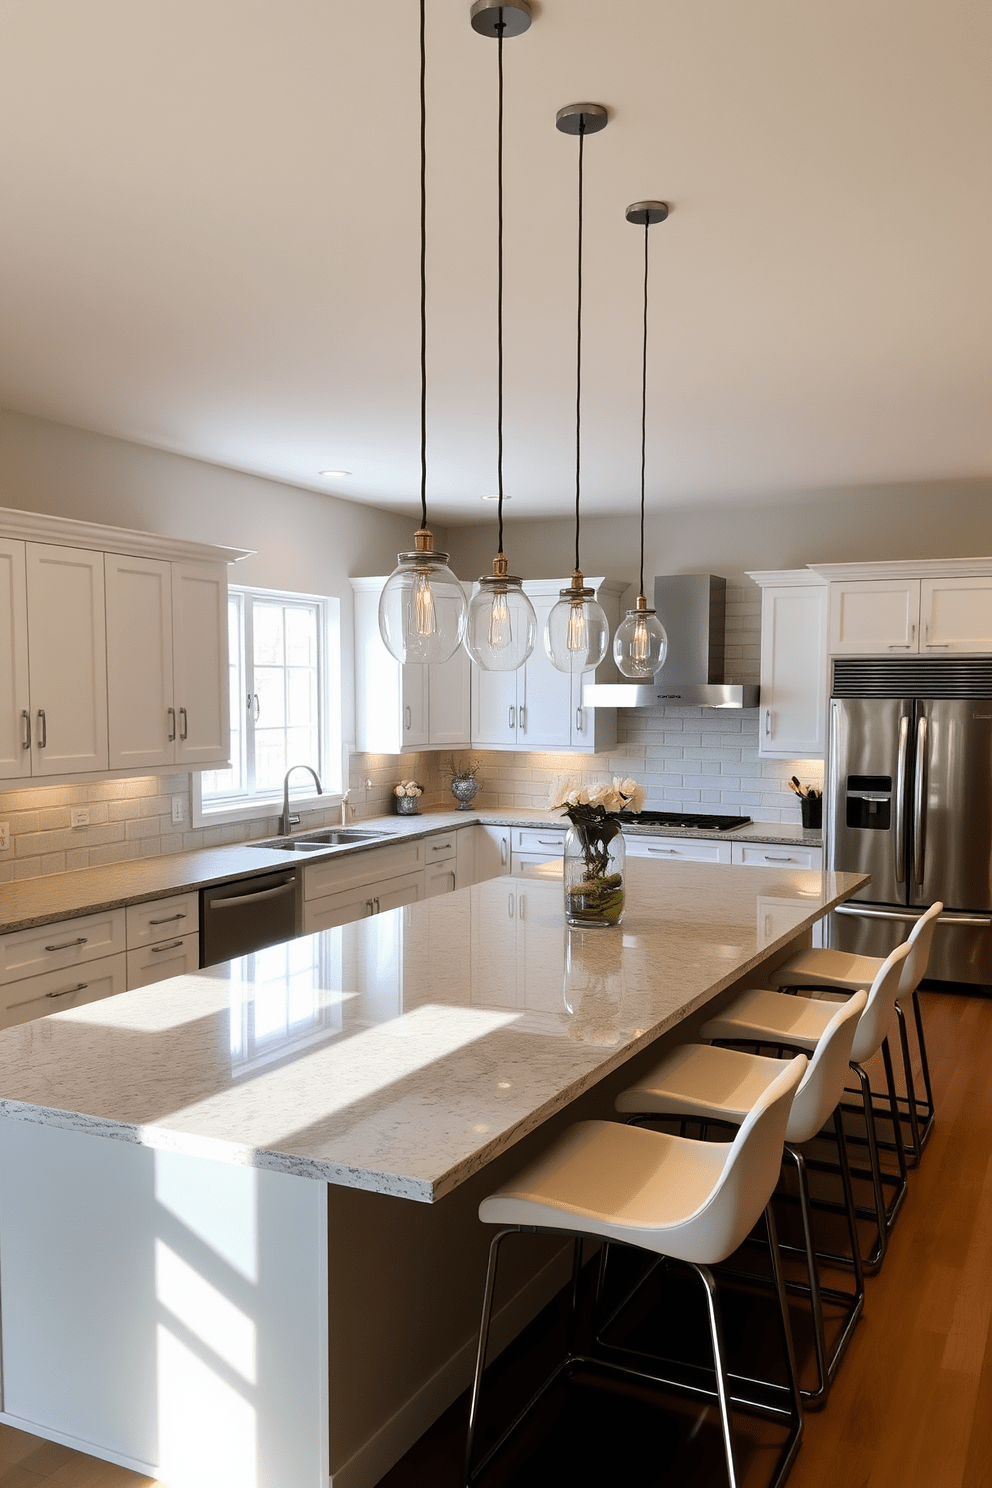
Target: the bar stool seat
(842, 971)
(704, 1083)
(692, 1201)
(762, 1017)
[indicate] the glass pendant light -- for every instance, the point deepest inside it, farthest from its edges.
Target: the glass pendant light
(502, 625)
(577, 633)
(640, 644)
(422, 610)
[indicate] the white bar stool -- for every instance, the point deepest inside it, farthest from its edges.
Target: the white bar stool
(840, 971)
(692, 1201)
(763, 1017)
(703, 1083)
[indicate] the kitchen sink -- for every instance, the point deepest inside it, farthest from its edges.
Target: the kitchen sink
(320, 841)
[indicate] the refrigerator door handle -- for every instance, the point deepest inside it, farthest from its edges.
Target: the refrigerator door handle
(982, 922)
(901, 799)
(919, 791)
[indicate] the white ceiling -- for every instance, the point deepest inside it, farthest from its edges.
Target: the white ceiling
(209, 241)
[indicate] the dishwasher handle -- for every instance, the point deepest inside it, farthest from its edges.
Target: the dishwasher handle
(232, 900)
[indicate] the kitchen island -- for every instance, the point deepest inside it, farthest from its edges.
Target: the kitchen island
(210, 1265)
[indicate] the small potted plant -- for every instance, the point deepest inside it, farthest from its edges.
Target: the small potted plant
(462, 775)
(408, 794)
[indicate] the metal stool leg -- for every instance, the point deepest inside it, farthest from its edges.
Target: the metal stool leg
(915, 1149)
(720, 1366)
(788, 1455)
(480, 1358)
(872, 1261)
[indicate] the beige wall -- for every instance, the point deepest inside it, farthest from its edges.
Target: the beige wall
(941, 519)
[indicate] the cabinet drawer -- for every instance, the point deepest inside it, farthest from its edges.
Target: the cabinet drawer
(439, 849)
(678, 849)
(28, 953)
(162, 919)
(536, 840)
(169, 958)
(38, 996)
(359, 903)
(777, 855)
(368, 867)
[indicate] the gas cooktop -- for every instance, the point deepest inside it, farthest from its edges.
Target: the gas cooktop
(689, 819)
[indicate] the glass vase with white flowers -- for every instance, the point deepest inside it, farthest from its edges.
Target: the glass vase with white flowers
(594, 847)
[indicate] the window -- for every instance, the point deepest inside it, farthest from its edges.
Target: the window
(285, 703)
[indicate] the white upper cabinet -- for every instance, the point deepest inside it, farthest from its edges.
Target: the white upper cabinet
(956, 615)
(201, 686)
(403, 708)
(869, 616)
(110, 660)
(141, 707)
(792, 720)
(538, 707)
(15, 699)
(67, 659)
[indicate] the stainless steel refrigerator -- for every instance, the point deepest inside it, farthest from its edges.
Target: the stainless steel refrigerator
(909, 800)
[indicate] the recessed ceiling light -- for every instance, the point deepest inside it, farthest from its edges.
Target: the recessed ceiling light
(495, 498)
(333, 474)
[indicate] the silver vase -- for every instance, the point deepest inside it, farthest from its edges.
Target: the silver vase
(464, 789)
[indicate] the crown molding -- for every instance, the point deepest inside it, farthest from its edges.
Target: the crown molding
(67, 532)
(910, 568)
(783, 578)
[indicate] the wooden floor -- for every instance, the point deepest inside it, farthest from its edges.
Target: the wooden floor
(912, 1406)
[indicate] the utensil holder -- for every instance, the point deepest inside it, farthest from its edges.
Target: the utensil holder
(812, 810)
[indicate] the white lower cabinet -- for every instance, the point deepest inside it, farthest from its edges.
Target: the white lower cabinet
(776, 855)
(59, 965)
(493, 852)
(441, 869)
(158, 962)
(366, 883)
(678, 849)
(163, 939)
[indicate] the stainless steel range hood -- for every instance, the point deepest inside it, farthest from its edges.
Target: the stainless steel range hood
(692, 608)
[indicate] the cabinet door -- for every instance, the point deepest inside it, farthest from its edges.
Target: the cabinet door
(15, 699)
(54, 991)
(872, 615)
(494, 707)
(440, 878)
(492, 852)
(546, 720)
(793, 671)
(396, 892)
(142, 715)
(337, 909)
(956, 615)
(202, 686)
(414, 725)
(67, 658)
(450, 702)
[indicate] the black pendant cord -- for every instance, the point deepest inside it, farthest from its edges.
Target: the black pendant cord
(499, 284)
(644, 396)
(423, 263)
(578, 354)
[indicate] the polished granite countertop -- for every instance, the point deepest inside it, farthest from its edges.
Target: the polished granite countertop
(402, 1053)
(60, 896)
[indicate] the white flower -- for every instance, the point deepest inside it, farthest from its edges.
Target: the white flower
(399, 790)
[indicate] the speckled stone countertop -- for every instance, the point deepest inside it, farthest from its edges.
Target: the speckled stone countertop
(60, 896)
(402, 1053)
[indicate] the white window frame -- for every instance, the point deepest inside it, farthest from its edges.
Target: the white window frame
(332, 764)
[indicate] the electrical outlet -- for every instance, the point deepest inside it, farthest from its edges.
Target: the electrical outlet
(4, 836)
(79, 816)
(177, 809)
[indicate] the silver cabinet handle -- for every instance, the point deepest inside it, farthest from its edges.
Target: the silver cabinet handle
(900, 648)
(441, 847)
(172, 723)
(578, 720)
(522, 719)
(27, 729)
(768, 723)
(912, 632)
(502, 851)
(938, 645)
(672, 850)
(510, 902)
(900, 840)
(67, 945)
(183, 724)
(375, 901)
(522, 907)
(169, 919)
(772, 858)
(79, 987)
(369, 906)
(454, 882)
(169, 945)
(253, 711)
(408, 714)
(42, 729)
(511, 717)
(554, 842)
(919, 792)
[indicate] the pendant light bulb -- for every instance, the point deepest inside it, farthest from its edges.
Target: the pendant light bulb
(422, 610)
(578, 632)
(640, 645)
(502, 626)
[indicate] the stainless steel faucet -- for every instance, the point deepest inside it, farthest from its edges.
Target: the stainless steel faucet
(288, 821)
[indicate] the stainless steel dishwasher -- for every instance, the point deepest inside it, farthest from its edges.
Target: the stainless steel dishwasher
(247, 915)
